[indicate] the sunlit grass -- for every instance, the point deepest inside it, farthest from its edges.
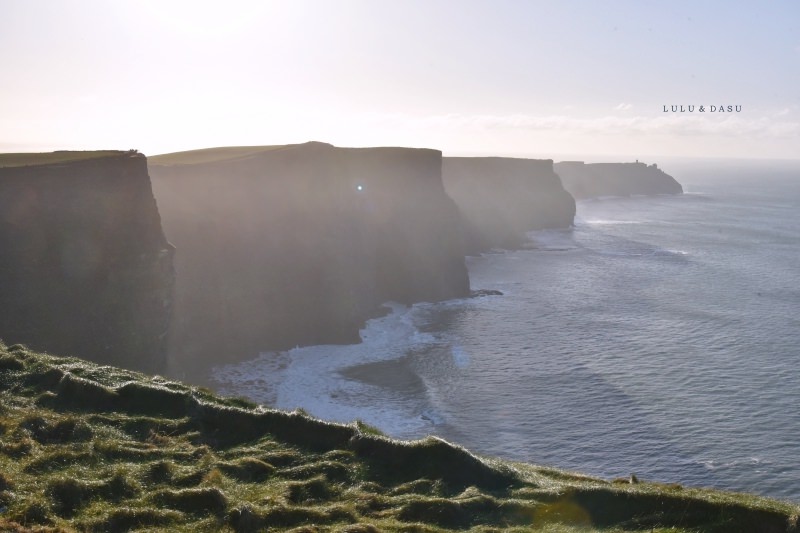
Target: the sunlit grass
(208, 155)
(90, 448)
(48, 158)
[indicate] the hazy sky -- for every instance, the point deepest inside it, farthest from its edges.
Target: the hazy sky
(526, 78)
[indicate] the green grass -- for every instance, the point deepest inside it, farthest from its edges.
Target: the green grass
(210, 155)
(91, 448)
(49, 158)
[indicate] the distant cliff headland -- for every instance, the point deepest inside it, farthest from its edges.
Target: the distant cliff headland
(85, 268)
(596, 180)
(502, 198)
(300, 244)
(274, 246)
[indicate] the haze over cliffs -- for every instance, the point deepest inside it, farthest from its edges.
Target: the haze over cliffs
(300, 244)
(85, 269)
(594, 180)
(277, 246)
(502, 198)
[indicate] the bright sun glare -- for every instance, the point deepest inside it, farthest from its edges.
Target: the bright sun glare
(204, 17)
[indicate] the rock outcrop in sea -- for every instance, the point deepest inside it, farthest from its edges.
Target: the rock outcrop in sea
(85, 268)
(502, 198)
(300, 244)
(595, 180)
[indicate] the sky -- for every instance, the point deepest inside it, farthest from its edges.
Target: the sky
(552, 79)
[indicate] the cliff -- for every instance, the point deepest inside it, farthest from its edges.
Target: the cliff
(88, 448)
(300, 244)
(84, 268)
(595, 180)
(501, 199)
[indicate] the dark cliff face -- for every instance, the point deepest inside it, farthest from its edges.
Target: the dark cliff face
(85, 269)
(300, 244)
(502, 198)
(595, 180)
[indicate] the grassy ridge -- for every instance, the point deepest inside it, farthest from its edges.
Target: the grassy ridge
(23, 159)
(209, 155)
(90, 448)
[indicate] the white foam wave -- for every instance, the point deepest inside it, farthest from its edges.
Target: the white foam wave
(460, 357)
(670, 253)
(600, 198)
(311, 378)
(712, 464)
(610, 222)
(657, 253)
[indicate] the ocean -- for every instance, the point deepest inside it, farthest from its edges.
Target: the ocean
(659, 336)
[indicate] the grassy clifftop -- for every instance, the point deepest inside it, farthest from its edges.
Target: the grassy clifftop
(211, 155)
(24, 159)
(91, 448)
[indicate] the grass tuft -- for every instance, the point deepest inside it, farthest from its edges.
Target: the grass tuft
(333, 470)
(312, 491)
(61, 431)
(136, 397)
(159, 472)
(248, 470)
(80, 393)
(367, 429)
(18, 448)
(192, 479)
(118, 488)
(251, 519)
(431, 457)
(68, 494)
(425, 487)
(451, 513)
(282, 458)
(36, 512)
(11, 363)
(131, 519)
(5, 482)
(198, 501)
(58, 459)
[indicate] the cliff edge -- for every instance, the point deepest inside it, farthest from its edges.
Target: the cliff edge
(595, 180)
(85, 268)
(300, 244)
(501, 198)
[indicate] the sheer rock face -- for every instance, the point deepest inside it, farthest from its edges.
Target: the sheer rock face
(502, 198)
(300, 244)
(595, 180)
(85, 268)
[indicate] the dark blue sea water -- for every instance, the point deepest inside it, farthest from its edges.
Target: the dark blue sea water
(660, 336)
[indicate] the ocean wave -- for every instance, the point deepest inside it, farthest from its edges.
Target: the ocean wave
(372, 381)
(610, 222)
(673, 254)
(552, 240)
(713, 464)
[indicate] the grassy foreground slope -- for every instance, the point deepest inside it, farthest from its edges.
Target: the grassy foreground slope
(91, 448)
